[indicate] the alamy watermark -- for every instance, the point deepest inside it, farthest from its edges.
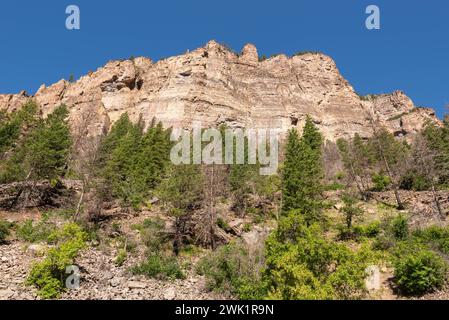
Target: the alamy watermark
(372, 22)
(241, 146)
(372, 281)
(73, 280)
(73, 21)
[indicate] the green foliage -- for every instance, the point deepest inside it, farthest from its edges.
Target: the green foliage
(438, 141)
(247, 227)
(358, 160)
(386, 146)
(301, 53)
(35, 232)
(152, 232)
(182, 192)
(303, 264)
(391, 231)
(420, 272)
(14, 124)
(350, 209)
(48, 276)
(380, 182)
(159, 266)
(221, 223)
(335, 186)
(262, 58)
(383, 242)
(48, 146)
(414, 181)
(371, 230)
(231, 270)
(399, 227)
(368, 97)
(4, 230)
(121, 257)
(248, 185)
(43, 149)
(437, 237)
(132, 162)
(302, 172)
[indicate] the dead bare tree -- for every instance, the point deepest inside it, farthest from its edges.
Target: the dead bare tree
(84, 155)
(215, 177)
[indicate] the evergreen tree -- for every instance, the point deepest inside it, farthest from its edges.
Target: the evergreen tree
(181, 193)
(302, 172)
(438, 141)
(391, 154)
(48, 146)
(132, 162)
(350, 210)
(39, 148)
(15, 124)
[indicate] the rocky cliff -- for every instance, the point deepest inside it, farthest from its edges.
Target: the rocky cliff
(215, 85)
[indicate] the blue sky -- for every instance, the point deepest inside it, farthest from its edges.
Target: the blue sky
(410, 52)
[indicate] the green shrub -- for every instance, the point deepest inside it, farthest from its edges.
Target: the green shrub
(49, 276)
(303, 264)
(414, 181)
(399, 228)
(221, 223)
(383, 243)
(381, 182)
(371, 230)
(35, 232)
(247, 227)
(4, 230)
(152, 232)
(159, 266)
(420, 272)
(121, 257)
(435, 236)
(230, 270)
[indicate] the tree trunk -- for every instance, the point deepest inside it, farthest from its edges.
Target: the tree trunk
(78, 206)
(387, 167)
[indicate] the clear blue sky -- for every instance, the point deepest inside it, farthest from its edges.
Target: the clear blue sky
(410, 52)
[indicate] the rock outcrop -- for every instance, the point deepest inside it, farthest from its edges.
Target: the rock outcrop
(215, 85)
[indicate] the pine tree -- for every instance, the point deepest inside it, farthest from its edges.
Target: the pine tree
(390, 153)
(132, 162)
(302, 173)
(351, 210)
(438, 141)
(181, 194)
(48, 146)
(15, 125)
(291, 174)
(39, 148)
(242, 181)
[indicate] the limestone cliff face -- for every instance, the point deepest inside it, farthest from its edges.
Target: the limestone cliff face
(215, 86)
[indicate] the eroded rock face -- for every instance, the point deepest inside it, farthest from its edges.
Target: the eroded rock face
(215, 86)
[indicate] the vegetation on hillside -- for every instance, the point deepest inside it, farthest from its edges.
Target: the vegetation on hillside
(318, 246)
